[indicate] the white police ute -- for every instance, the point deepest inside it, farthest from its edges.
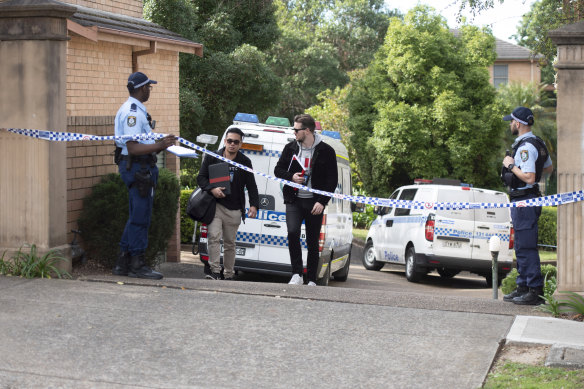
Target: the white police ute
(448, 241)
(262, 242)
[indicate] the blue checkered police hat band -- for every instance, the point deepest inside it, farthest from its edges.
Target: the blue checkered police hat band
(139, 79)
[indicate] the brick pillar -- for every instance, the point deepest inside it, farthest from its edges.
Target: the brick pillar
(570, 121)
(33, 209)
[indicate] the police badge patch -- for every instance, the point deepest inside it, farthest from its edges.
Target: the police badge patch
(524, 155)
(131, 121)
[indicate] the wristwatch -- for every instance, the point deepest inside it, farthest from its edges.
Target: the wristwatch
(511, 166)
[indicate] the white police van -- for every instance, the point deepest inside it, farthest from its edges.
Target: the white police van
(448, 241)
(262, 242)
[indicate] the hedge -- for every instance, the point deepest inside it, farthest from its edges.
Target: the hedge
(105, 212)
(187, 225)
(547, 226)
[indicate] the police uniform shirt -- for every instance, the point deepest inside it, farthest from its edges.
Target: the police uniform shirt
(526, 157)
(131, 120)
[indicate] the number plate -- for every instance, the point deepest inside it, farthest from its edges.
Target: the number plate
(452, 245)
(238, 251)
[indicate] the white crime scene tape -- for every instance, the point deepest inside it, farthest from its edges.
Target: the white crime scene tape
(551, 200)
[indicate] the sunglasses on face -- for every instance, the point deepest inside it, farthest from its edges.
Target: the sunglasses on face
(299, 129)
(234, 141)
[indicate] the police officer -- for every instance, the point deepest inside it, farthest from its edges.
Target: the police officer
(521, 173)
(136, 161)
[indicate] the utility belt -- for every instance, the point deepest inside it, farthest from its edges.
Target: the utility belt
(142, 159)
(517, 193)
(143, 179)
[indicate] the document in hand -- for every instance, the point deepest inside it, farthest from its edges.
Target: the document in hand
(296, 166)
(219, 176)
(182, 151)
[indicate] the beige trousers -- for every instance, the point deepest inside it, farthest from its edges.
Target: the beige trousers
(225, 224)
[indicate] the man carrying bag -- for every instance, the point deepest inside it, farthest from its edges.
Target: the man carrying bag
(230, 204)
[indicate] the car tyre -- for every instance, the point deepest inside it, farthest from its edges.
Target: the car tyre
(342, 274)
(413, 273)
(369, 261)
(489, 279)
(447, 273)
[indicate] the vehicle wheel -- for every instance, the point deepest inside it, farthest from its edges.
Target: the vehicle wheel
(489, 279)
(343, 274)
(413, 273)
(327, 276)
(369, 261)
(447, 273)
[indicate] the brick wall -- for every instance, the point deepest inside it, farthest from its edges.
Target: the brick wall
(97, 74)
(122, 7)
(520, 71)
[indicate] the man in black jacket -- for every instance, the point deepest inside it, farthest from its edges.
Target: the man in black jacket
(230, 207)
(310, 162)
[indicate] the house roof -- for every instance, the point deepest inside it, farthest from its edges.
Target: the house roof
(510, 51)
(108, 22)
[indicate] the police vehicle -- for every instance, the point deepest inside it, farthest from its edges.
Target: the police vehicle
(262, 242)
(448, 241)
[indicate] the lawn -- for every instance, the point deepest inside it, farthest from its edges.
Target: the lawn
(517, 375)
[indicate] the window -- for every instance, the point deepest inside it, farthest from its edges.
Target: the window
(500, 75)
(408, 195)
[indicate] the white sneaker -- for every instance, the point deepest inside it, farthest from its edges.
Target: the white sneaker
(310, 283)
(296, 280)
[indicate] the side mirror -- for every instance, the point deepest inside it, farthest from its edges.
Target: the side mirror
(357, 207)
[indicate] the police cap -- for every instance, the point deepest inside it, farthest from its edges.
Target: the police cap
(522, 115)
(139, 79)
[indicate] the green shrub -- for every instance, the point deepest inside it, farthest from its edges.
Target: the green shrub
(187, 225)
(105, 213)
(33, 265)
(509, 284)
(364, 219)
(549, 272)
(547, 226)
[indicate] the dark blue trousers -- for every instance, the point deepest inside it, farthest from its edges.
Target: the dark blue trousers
(525, 225)
(135, 237)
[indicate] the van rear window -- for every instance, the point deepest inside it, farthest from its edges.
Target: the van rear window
(496, 215)
(455, 196)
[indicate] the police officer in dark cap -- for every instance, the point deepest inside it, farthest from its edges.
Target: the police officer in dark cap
(521, 172)
(136, 161)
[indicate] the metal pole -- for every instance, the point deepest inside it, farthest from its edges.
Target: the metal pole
(495, 255)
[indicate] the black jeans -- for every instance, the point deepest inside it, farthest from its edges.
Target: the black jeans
(297, 212)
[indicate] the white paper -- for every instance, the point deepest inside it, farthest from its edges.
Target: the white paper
(183, 152)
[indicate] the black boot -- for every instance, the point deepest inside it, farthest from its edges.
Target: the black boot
(530, 298)
(138, 269)
(121, 266)
(520, 291)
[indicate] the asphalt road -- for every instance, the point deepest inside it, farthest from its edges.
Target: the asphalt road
(389, 278)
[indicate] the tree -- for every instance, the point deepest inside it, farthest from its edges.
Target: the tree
(321, 41)
(234, 74)
(425, 107)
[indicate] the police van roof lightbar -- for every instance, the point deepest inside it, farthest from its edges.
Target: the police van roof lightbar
(332, 134)
(246, 117)
(277, 121)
